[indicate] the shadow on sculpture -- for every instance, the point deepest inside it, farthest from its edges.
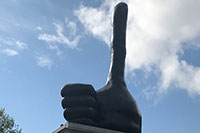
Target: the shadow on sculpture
(112, 106)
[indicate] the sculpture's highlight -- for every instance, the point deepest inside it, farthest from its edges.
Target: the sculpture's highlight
(112, 106)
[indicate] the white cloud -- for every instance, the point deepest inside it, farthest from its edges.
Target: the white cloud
(39, 28)
(11, 46)
(55, 47)
(44, 61)
(157, 34)
(20, 45)
(9, 52)
(71, 41)
(96, 21)
(72, 26)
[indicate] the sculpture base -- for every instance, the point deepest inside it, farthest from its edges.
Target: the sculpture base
(70, 127)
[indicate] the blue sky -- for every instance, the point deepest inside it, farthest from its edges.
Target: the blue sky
(47, 44)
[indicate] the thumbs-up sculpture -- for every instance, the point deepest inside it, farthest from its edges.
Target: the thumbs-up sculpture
(112, 106)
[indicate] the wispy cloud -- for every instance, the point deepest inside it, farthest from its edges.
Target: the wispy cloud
(156, 38)
(20, 45)
(65, 33)
(72, 27)
(39, 28)
(71, 41)
(9, 52)
(96, 20)
(55, 47)
(11, 46)
(44, 61)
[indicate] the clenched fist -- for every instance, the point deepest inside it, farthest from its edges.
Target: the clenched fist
(112, 106)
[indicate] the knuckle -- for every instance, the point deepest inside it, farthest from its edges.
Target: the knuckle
(63, 90)
(66, 113)
(65, 103)
(90, 86)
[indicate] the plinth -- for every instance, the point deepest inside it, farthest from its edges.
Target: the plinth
(70, 127)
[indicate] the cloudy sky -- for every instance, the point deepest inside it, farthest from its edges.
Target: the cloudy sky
(46, 44)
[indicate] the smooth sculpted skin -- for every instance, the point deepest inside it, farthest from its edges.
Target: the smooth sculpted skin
(112, 106)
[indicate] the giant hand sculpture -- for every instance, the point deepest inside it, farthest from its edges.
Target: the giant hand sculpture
(112, 106)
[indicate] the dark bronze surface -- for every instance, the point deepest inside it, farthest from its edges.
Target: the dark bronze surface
(112, 106)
